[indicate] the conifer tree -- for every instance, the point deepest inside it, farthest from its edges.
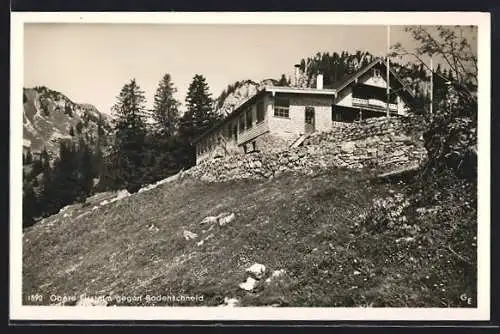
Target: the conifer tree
(165, 111)
(130, 134)
(199, 116)
(86, 171)
(199, 105)
(283, 81)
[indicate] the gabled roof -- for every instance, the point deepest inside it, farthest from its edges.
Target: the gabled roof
(337, 87)
(341, 84)
(266, 89)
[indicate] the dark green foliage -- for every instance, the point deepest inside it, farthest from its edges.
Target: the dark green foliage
(199, 117)
(67, 180)
(130, 129)
(434, 220)
(283, 81)
(451, 136)
(334, 67)
(165, 111)
(87, 172)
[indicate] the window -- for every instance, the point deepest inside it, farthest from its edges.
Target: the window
(336, 115)
(229, 131)
(282, 108)
(260, 112)
(249, 118)
(242, 123)
(376, 73)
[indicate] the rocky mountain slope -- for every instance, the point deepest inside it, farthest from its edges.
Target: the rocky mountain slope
(49, 116)
(237, 93)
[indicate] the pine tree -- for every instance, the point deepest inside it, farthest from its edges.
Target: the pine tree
(283, 81)
(86, 168)
(198, 117)
(65, 176)
(130, 134)
(165, 108)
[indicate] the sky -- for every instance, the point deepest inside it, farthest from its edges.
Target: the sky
(90, 63)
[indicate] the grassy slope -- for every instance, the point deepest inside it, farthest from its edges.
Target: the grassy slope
(304, 225)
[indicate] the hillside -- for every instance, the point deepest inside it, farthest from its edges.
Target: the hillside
(48, 117)
(237, 93)
(307, 230)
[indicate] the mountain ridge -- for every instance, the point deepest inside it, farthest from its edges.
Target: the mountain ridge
(50, 116)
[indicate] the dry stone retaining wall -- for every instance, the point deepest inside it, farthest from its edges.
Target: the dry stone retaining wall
(382, 143)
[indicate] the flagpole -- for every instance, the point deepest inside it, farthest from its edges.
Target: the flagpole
(432, 82)
(387, 66)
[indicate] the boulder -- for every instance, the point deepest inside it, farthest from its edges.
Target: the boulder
(249, 284)
(347, 147)
(257, 270)
(188, 235)
(226, 219)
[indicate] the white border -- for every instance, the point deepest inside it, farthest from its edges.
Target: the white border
(482, 312)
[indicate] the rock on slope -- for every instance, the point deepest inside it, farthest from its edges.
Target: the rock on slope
(48, 116)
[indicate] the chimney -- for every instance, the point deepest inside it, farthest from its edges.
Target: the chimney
(319, 81)
(297, 75)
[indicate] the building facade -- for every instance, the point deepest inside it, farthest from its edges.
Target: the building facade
(277, 117)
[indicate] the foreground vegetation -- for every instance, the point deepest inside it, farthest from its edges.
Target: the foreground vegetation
(324, 231)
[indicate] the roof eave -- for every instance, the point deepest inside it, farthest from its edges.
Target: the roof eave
(228, 117)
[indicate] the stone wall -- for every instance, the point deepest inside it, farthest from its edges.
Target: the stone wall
(381, 143)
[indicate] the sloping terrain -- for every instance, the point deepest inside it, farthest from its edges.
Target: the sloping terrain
(48, 117)
(237, 93)
(153, 243)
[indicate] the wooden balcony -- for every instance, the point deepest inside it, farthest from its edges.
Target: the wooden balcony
(373, 104)
(255, 131)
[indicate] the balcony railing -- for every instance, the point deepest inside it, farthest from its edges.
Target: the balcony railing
(373, 104)
(256, 130)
